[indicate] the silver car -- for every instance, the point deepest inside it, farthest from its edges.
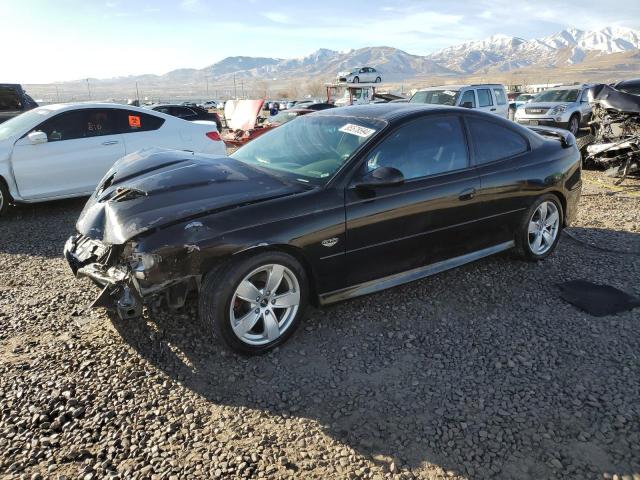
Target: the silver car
(564, 107)
(360, 75)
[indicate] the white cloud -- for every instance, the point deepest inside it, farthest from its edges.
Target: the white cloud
(277, 17)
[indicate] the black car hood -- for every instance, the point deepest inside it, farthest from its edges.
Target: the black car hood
(154, 188)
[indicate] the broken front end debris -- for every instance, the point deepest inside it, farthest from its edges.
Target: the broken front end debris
(614, 143)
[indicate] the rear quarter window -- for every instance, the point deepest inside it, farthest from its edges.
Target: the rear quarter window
(132, 121)
(492, 141)
(9, 99)
(500, 96)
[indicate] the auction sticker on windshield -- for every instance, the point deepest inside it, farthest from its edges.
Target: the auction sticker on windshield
(358, 130)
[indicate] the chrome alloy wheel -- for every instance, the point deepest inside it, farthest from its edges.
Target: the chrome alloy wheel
(574, 125)
(264, 304)
(543, 227)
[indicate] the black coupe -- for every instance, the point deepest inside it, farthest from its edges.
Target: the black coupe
(332, 205)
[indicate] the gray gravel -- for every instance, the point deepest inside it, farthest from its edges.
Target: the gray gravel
(480, 372)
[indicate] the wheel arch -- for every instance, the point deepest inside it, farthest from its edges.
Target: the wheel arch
(295, 252)
(563, 203)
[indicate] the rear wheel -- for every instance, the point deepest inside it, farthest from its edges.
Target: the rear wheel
(540, 228)
(4, 197)
(378, 80)
(256, 303)
(356, 79)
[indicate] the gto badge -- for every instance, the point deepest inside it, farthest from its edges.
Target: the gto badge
(330, 242)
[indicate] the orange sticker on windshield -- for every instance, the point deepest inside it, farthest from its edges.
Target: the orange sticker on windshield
(134, 121)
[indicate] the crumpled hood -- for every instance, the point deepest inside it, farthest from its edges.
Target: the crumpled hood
(153, 188)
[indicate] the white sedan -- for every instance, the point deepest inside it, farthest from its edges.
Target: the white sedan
(62, 151)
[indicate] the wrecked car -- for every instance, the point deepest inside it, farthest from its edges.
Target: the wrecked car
(614, 140)
(337, 204)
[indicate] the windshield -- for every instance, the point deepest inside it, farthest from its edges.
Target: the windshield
(523, 97)
(18, 126)
(557, 96)
(311, 149)
(436, 97)
(283, 117)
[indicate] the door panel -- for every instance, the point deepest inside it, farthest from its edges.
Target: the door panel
(63, 168)
(393, 229)
(429, 217)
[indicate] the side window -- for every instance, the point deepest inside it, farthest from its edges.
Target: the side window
(492, 141)
(424, 147)
(100, 122)
(132, 121)
(163, 110)
(500, 97)
(468, 97)
(484, 97)
(585, 95)
(65, 126)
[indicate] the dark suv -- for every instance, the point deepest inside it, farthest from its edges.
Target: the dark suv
(14, 101)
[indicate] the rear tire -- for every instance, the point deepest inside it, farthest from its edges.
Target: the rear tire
(255, 325)
(539, 230)
(378, 80)
(356, 79)
(4, 197)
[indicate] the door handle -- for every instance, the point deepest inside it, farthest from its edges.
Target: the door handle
(467, 194)
(493, 109)
(110, 142)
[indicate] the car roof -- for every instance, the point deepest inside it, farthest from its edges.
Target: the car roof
(569, 87)
(64, 107)
(627, 83)
(386, 111)
(172, 105)
(459, 87)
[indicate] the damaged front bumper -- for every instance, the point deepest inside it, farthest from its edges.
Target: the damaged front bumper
(120, 289)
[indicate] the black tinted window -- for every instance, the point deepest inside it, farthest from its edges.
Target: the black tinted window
(493, 142)
(427, 146)
(65, 126)
(9, 99)
(131, 121)
(468, 97)
(101, 122)
(484, 97)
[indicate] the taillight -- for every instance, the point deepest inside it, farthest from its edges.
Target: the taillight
(215, 136)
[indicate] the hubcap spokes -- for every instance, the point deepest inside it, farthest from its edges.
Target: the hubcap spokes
(543, 227)
(264, 304)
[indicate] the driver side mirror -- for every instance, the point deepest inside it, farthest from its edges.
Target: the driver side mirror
(380, 177)
(37, 137)
(467, 105)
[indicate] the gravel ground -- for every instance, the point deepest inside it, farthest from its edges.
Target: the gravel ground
(480, 372)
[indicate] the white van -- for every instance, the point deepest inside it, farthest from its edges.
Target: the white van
(490, 97)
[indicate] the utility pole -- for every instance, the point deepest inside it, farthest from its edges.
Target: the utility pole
(137, 94)
(207, 80)
(57, 94)
(89, 89)
(242, 85)
(235, 91)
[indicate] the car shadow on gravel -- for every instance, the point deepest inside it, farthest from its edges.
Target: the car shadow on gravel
(474, 391)
(23, 232)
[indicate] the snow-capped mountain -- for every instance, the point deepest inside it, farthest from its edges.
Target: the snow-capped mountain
(568, 47)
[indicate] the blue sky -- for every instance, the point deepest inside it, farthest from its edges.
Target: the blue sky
(45, 41)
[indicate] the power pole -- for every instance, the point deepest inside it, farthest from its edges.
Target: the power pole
(242, 85)
(137, 94)
(89, 89)
(57, 94)
(207, 80)
(235, 91)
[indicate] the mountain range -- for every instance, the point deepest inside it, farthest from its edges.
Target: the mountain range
(497, 53)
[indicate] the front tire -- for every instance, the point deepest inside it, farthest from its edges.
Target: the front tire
(539, 231)
(4, 197)
(378, 80)
(255, 303)
(356, 79)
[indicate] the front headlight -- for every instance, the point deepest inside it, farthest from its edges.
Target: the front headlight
(558, 109)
